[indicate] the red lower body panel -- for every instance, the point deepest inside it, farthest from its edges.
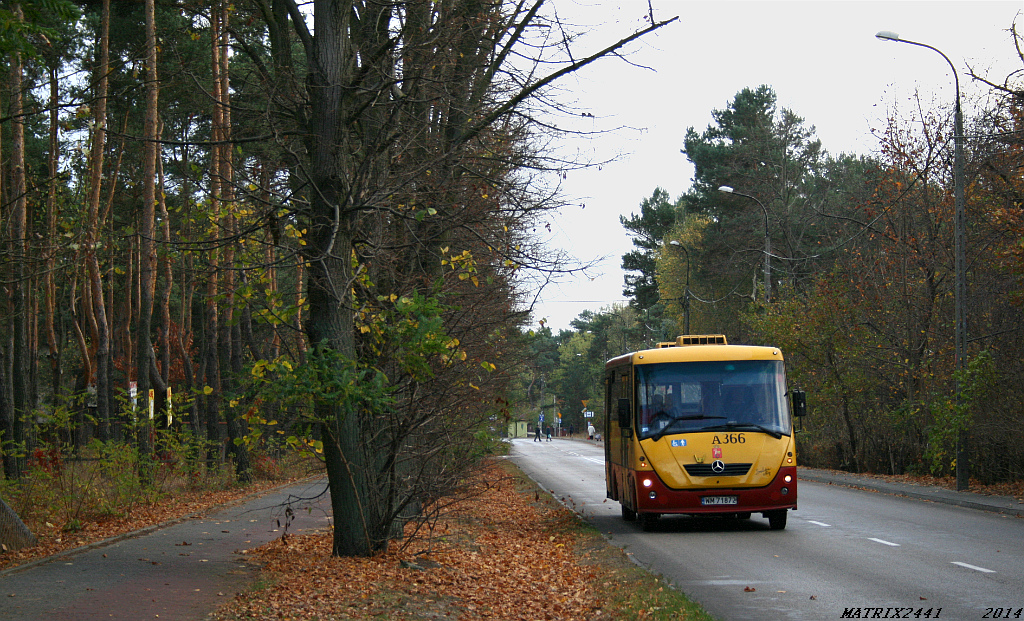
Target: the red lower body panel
(779, 494)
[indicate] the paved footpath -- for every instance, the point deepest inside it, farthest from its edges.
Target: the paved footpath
(183, 570)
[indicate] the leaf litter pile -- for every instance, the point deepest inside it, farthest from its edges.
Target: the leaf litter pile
(507, 553)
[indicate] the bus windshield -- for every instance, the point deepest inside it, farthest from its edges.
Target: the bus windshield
(684, 397)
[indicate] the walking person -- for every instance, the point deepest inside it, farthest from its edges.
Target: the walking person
(547, 432)
(591, 431)
(536, 437)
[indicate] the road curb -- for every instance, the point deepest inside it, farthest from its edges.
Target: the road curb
(970, 500)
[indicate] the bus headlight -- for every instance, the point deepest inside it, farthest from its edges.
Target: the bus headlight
(647, 482)
(785, 490)
(652, 495)
(788, 479)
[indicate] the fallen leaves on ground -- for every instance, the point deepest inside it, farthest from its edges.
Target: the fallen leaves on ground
(499, 556)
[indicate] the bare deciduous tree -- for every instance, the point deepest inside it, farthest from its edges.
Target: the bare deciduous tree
(399, 99)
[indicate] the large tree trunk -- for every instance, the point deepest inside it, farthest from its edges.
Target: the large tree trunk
(96, 162)
(49, 285)
(19, 277)
(6, 405)
(9, 457)
(147, 246)
(211, 371)
(166, 352)
(329, 248)
(231, 356)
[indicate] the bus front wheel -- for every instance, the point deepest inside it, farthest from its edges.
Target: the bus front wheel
(628, 514)
(648, 520)
(777, 519)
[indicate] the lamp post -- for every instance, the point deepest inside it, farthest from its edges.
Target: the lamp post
(686, 290)
(767, 242)
(959, 249)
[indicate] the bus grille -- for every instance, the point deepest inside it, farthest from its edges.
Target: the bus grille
(705, 470)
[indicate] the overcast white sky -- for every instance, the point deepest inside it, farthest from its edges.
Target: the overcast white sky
(821, 58)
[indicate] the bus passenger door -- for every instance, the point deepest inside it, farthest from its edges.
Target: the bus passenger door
(625, 432)
(627, 418)
(622, 413)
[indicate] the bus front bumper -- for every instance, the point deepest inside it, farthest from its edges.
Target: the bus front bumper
(654, 497)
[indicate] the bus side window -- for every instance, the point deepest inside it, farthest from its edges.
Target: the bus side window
(624, 413)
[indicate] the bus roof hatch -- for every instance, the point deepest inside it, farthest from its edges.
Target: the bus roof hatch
(700, 339)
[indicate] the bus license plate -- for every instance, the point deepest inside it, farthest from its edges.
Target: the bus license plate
(719, 500)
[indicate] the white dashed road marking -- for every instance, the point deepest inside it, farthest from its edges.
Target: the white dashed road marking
(884, 542)
(974, 567)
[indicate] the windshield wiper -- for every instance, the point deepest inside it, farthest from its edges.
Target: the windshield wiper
(772, 432)
(664, 430)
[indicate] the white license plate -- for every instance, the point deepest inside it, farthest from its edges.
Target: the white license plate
(719, 500)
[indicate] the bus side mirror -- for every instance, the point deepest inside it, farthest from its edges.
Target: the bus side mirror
(799, 402)
(624, 413)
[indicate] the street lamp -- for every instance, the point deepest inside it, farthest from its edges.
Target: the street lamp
(959, 249)
(767, 242)
(686, 291)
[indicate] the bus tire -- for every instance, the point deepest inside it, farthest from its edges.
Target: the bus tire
(777, 519)
(648, 520)
(743, 516)
(627, 514)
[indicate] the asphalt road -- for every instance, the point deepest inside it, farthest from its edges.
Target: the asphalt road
(180, 571)
(846, 553)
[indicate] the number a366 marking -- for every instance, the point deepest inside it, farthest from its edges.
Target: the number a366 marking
(729, 438)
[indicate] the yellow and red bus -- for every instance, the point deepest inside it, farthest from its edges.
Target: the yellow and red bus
(700, 427)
